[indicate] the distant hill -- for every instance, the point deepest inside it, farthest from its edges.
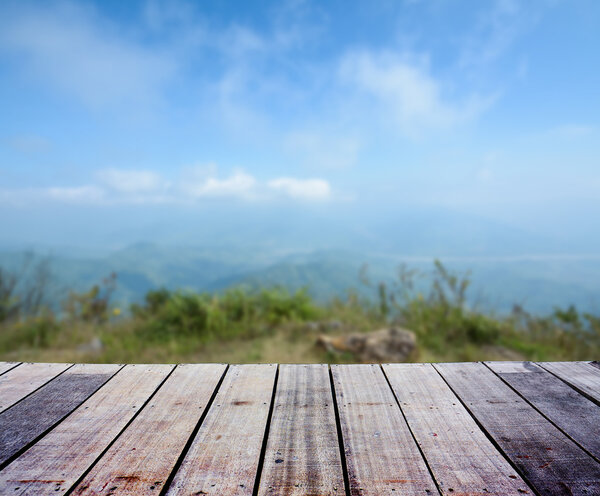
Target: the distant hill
(539, 283)
(263, 231)
(320, 248)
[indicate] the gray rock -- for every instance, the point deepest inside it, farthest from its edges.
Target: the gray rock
(385, 345)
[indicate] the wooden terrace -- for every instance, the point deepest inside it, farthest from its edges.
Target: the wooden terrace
(494, 428)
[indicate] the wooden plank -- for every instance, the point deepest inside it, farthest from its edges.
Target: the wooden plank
(55, 463)
(30, 418)
(303, 455)
(381, 454)
(26, 378)
(6, 366)
(164, 426)
(547, 458)
(224, 456)
(580, 375)
(573, 413)
(461, 457)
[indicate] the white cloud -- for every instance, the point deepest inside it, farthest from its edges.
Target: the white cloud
(239, 184)
(131, 181)
(302, 189)
(76, 194)
(71, 47)
(405, 89)
(496, 29)
(115, 186)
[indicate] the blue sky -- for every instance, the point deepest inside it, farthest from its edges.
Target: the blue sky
(128, 108)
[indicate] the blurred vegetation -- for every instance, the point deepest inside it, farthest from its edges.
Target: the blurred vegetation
(272, 324)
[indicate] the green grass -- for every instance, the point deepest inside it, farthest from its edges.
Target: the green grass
(274, 325)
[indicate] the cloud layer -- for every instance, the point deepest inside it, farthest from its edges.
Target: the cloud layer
(302, 189)
(404, 90)
(394, 101)
(72, 47)
(198, 184)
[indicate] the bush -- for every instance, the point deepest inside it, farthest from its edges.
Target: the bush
(168, 315)
(23, 291)
(237, 312)
(446, 325)
(277, 306)
(92, 305)
(32, 332)
(170, 325)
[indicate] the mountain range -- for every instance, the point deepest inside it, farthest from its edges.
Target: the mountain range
(317, 249)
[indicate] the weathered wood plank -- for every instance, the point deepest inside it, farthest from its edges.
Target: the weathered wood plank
(381, 455)
(59, 459)
(548, 459)
(302, 455)
(224, 456)
(131, 465)
(26, 378)
(6, 366)
(34, 415)
(573, 413)
(581, 375)
(461, 457)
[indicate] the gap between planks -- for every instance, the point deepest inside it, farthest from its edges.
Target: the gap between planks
(582, 376)
(459, 454)
(572, 413)
(19, 382)
(57, 461)
(164, 425)
(6, 366)
(549, 460)
(314, 382)
(34, 416)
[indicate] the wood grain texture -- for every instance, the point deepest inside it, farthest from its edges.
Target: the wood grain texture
(59, 459)
(143, 456)
(34, 415)
(26, 378)
(573, 413)
(224, 456)
(302, 455)
(381, 455)
(6, 366)
(581, 375)
(548, 459)
(461, 457)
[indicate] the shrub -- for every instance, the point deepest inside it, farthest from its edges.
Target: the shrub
(237, 312)
(92, 305)
(175, 323)
(32, 332)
